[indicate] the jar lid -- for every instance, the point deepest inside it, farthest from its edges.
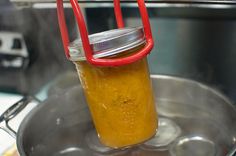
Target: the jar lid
(108, 43)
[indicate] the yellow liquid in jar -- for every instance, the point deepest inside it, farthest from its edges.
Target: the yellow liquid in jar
(121, 102)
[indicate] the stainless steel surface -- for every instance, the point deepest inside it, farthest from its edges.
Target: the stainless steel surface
(232, 152)
(13, 111)
(59, 126)
(131, 3)
(194, 146)
(222, 8)
(108, 43)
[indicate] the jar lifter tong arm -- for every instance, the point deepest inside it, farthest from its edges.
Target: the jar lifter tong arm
(85, 39)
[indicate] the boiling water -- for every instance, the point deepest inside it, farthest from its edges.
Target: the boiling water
(79, 140)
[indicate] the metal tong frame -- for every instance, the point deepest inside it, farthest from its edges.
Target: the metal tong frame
(84, 34)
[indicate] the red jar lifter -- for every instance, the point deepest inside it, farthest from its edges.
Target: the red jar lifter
(85, 40)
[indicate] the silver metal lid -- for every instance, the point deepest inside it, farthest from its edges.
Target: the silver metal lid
(108, 43)
(194, 145)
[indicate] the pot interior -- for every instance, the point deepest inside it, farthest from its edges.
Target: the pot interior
(193, 120)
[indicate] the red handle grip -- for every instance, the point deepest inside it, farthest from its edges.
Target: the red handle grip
(84, 34)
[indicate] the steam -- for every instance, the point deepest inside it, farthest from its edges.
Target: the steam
(43, 40)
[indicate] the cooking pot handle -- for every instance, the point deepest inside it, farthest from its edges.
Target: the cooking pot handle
(232, 152)
(12, 111)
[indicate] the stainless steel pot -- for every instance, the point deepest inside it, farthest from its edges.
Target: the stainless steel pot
(193, 120)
